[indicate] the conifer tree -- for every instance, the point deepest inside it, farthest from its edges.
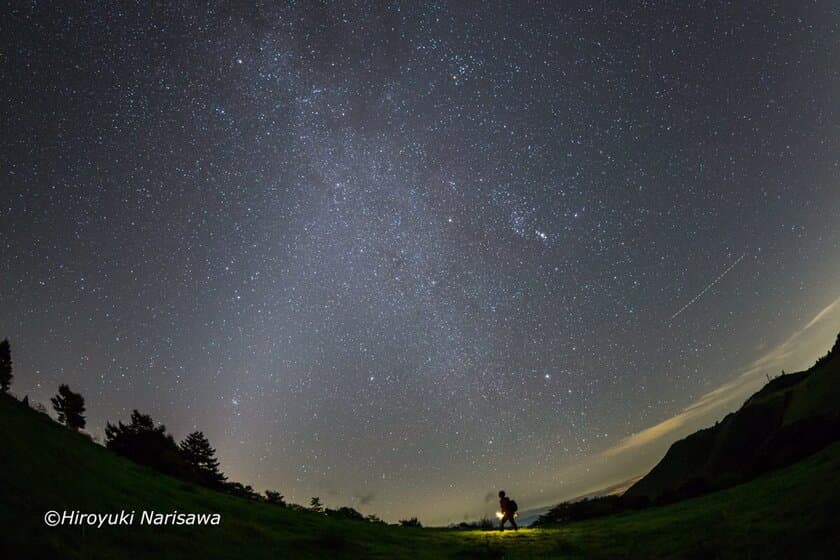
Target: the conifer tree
(70, 407)
(315, 504)
(197, 451)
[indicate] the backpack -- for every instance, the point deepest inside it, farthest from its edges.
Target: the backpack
(512, 507)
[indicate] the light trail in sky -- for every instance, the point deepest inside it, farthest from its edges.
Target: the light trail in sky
(706, 289)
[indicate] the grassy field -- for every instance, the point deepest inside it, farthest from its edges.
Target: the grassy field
(790, 513)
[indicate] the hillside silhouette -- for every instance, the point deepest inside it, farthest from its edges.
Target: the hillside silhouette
(788, 508)
(791, 417)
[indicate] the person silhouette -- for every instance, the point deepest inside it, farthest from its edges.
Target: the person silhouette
(508, 508)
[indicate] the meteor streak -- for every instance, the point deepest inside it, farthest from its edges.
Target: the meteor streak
(706, 289)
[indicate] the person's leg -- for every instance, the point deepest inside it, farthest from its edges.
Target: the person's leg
(502, 523)
(513, 521)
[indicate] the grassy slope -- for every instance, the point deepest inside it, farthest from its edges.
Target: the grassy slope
(43, 467)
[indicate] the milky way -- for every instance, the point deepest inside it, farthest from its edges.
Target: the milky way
(399, 257)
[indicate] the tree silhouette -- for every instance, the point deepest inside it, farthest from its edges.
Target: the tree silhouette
(273, 497)
(197, 451)
(413, 522)
(316, 505)
(346, 512)
(70, 407)
(5, 366)
(373, 518)
(150, 445)
(835, 351)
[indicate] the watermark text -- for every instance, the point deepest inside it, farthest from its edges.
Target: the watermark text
(74, 518)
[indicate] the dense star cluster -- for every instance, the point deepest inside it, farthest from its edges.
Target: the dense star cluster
(400, 256)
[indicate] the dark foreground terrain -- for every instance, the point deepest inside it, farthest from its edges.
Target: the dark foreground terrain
(791, 512)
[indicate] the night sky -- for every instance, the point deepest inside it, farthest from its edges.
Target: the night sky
(402, 256)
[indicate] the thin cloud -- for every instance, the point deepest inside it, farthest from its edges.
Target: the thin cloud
(638, 452)
(365, 499)
(742, 386)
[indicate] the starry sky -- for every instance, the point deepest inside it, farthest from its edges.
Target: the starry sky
(401, 255)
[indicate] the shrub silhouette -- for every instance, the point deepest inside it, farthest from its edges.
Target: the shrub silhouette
(373, 518)
(241, 490)
(412, 522)
(588, 508)
(483, 524)
(835, 351)
(70, 407)
(346, 513)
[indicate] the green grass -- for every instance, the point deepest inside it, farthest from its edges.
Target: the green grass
(45, 467)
